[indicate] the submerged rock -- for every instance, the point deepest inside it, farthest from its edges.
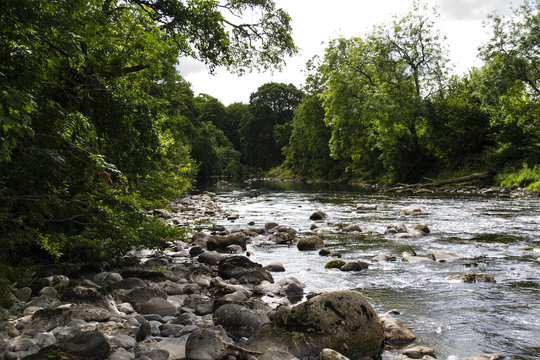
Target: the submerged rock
(473, 278)
(341, 320)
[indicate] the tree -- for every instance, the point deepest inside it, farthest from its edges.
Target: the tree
(510, 87)
(94, 120)
(266, 129)
(375, 95)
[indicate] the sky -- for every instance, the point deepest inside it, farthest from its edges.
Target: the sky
(316, 22)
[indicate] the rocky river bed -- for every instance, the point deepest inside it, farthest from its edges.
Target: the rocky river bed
(212, 299)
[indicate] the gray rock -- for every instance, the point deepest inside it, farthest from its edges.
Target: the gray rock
(140, 295)
(291, 287)
(201, 304)
(384, 257)
(318, 215)
(444, 256)
(340, 320)
(474, 278)
(394, 332)
(172, 288)
(170, 330)
(239, 321)
(122, 341)
(89, 312)
(275, 267)
(207, 344)
(45, 339)
(90, 345)
(86, 295)
(44, 301)
(128, 284)
(419, 352)
(49, 291)
(23, 294)
(105, 279)
(310, 243)
(354, 266)
(270, 225)
(22, 343)
(176, 347)
(396, 228)
(222, 242)
(157, 305)
(121, 354)
(244, 270)
(210, 257)
(352, 228)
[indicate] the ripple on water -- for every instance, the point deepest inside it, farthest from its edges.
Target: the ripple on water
(491, 235)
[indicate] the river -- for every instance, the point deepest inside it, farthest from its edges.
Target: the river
(498, 236)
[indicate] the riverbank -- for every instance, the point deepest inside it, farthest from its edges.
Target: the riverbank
(465, 188)
(157, 304)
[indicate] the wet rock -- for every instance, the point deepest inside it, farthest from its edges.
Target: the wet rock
(291, 287)
(234, 249)
(352, 228)
(329, 354)
(310, 243)
(324, 252)
(421, 228)
(416, 259)
(419, 352)
(239, 321)
(395, 333)
(207, 344)
(356, 265)
(243, 269)
(474, 278)
(210, 258)
(335, 264)
(340, 320)
(443, 256)
(366, 207)
(384, 257)
(270, 225)
(396, 228)
(318, 215)
(275, 267)
(158, 306)
(222, 242)
(408, 211)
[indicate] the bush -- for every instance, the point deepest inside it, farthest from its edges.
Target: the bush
(525, 177)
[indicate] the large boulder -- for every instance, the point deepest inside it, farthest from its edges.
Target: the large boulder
(342, 320)
(207, 344)
(354, 266)
(310, 243)
(244, 270)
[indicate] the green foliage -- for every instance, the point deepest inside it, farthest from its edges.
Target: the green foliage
(525, 177)
(95, 123)
(264, 131)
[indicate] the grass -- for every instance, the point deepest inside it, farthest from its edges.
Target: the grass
(525, 177)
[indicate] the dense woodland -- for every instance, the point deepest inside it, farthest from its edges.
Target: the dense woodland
(98, 125)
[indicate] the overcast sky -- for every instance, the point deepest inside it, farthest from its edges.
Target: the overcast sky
(315, 22)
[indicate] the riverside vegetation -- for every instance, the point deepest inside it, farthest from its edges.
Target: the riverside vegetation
(97, 126)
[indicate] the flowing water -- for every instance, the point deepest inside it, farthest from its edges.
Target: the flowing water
(498, 236)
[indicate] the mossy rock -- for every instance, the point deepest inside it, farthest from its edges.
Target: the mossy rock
(335, 264)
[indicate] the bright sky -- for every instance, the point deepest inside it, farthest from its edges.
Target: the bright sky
(315, 22)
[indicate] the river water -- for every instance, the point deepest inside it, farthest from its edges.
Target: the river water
(498, 236)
